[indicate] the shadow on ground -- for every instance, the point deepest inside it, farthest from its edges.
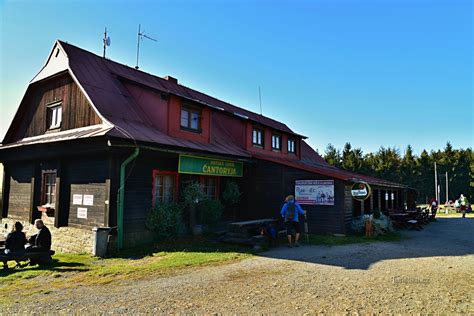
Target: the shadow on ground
(55, 266)
(446, 237)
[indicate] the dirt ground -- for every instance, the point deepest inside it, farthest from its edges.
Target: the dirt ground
(430, 271)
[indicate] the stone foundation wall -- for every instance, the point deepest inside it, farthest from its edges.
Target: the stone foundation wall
(74, 239)
(64, 239)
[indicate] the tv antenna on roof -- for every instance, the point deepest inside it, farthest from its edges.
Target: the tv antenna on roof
(106, 40)
(141, 36)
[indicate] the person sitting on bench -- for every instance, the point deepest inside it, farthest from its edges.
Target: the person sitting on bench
(41, 242)
(15, 243)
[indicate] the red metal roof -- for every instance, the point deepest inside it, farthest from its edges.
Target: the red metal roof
(311, 161)
(100, 77)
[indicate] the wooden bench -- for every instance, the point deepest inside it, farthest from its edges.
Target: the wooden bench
(24, 257)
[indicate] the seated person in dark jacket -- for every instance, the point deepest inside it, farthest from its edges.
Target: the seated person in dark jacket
(15, 243)
(40, 242)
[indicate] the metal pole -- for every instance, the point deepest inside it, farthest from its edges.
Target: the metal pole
(138, 45)
(436, 183)
(105, 40)
(447, 191)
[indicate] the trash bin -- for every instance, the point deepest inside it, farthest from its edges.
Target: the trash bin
(100, 241)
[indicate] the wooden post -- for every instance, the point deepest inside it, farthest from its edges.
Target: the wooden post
(59, 208)
(32, 199)
(5, 192)
(379, 200)
(371, 202)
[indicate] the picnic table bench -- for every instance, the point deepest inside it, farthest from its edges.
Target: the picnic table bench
(24, 256)
(248, 232)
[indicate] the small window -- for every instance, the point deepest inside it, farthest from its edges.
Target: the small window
(210, 187)
(276, 142)
(55, 116)
(49, 188)
(164, 187)
(291, 146)
(190, 118)
(257, 137)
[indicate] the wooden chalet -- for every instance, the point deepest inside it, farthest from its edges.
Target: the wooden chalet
(95, 143)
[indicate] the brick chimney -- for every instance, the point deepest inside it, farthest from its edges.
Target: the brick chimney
(171, 79)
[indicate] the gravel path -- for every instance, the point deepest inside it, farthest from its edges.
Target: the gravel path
(429, 272)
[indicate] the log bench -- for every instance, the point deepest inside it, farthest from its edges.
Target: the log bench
(24, 257)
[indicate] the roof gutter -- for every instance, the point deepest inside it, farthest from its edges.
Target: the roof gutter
(121, 197)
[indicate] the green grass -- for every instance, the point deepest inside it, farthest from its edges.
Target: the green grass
(330, 240)
(73, 270)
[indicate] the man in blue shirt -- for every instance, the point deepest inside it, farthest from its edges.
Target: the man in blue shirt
(291, 212)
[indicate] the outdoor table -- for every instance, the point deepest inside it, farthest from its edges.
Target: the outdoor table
(247, 232)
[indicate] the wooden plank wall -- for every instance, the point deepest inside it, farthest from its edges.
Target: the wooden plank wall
(76, 110)
(85, 175)
(348, 206)
(20, 196)
(266, 185)
(139, 185)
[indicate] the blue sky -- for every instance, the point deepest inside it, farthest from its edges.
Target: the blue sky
(373, 73)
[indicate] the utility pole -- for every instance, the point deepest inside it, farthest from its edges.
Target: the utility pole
(447, 190)
(436, 183)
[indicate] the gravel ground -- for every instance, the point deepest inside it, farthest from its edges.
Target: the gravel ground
(429, 272)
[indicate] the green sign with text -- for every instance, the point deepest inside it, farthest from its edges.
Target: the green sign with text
(209, 166)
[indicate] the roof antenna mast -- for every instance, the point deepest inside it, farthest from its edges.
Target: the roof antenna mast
(140, 37)
(260, 97)
(106, 41)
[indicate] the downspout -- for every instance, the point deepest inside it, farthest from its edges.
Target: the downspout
(121, 197)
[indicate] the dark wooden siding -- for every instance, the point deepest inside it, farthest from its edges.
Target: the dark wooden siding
(348, 206)
(139, 186)
(266, 185)
(85, 175)
(76, 110)
(20, 194)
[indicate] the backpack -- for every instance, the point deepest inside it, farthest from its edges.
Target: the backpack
(290, 212)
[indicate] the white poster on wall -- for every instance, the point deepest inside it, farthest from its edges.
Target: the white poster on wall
(88, 200)
(314, 192)
(82, 212)
(77, 199)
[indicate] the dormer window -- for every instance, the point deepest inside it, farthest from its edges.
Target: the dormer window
(291, 146)
(190, 119)
(276, 142)
(257, 137)
(54, 115)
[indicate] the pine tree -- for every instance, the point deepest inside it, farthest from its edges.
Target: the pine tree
(332, 156)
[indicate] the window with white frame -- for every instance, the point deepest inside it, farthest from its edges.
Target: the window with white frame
(48, 195)
(55, 115)
(164, 187)
(291, 146)
(257, 137)
(190, 118)
(276, 142)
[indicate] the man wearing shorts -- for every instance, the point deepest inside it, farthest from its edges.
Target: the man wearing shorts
(291, 212)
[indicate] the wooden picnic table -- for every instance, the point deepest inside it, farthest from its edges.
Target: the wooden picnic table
(247, 232)
(253, 222)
